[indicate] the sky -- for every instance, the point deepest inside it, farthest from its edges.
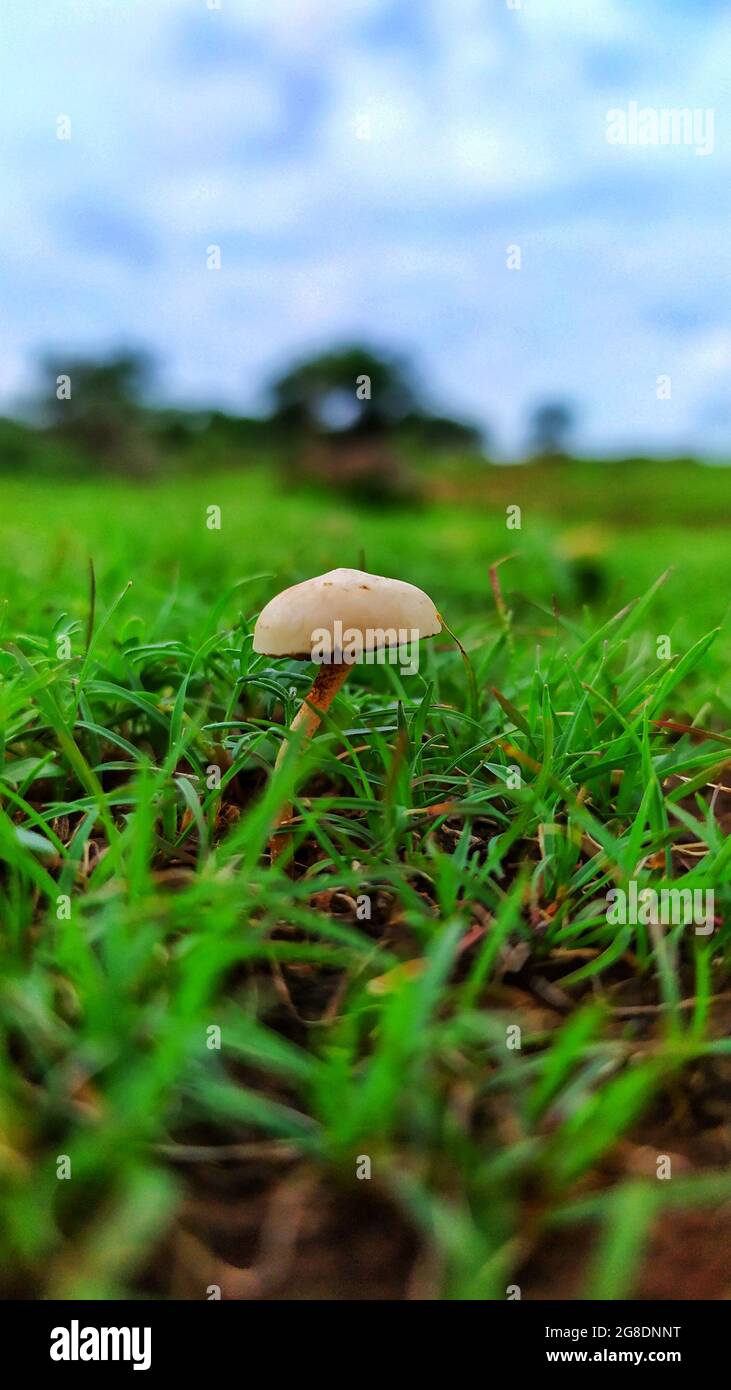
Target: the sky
(364, 167)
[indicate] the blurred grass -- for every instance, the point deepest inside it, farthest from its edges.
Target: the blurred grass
(631, 522)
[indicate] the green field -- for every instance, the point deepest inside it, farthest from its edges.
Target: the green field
(367, 987)
(639, 519)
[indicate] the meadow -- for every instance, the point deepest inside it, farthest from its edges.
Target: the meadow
(412, 1057)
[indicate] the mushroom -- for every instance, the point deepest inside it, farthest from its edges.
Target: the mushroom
(336, 620)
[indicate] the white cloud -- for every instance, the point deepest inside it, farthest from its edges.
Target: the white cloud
(487, 127)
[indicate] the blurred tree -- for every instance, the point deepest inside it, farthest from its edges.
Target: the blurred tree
(98, 407)
(353, 390)
(551, 427)
(337, 417)
(442, 432)
(16, 446)
(343, 412)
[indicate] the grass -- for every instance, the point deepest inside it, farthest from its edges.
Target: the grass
(193, 1038)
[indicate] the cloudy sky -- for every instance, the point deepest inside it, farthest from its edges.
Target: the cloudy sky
(364, 166)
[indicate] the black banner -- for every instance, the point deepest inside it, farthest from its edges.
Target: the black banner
(157, 1339)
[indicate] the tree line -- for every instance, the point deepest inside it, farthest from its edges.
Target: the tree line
(349, 411)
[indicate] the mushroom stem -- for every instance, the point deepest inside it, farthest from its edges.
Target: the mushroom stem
(324, 688)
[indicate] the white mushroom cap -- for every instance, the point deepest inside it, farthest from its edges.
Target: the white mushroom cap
(351, 607)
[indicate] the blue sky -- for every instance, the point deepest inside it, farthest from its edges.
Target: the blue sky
(363, 166)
